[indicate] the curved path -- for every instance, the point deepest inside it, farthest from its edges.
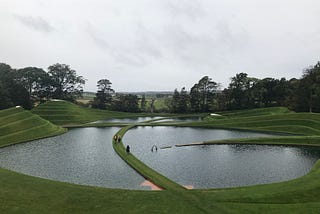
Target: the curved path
(142, 168)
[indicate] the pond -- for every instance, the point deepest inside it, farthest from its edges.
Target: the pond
(181, 119)
(126, 120)
(81, 156)
(217, 166)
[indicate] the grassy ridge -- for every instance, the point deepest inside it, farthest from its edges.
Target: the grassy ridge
(18, 125)
(294, 123)
(63, 112)
(256, 112)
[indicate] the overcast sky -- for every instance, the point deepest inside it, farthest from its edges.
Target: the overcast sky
(142, 45)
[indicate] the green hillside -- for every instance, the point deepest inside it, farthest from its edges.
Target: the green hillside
(256, 112)
(18, 125)
(66, 113)
(267, 119)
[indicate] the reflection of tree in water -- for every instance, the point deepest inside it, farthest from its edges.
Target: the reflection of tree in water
(309, 151)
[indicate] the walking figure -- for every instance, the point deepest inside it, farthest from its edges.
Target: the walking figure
(154, 148)
(128, 149)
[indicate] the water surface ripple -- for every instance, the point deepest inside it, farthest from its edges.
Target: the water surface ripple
(218, 166)
(81, 156)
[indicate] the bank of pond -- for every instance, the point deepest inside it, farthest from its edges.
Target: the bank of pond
(147, 119)
(85, 156)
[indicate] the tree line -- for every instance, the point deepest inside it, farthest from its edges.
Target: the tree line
(244, 92)
(31, 85)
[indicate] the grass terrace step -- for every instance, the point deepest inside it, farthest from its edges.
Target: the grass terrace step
(18, 125)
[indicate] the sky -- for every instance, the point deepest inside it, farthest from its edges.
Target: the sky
(160, 45)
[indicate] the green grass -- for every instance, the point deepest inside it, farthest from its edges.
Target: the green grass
(159, 104)
(18, 125)
(66, 113)
(294, 123)
(256, 112)
(25, 194)
(21, 193)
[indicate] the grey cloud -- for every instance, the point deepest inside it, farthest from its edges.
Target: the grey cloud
(190, 9)
(147, 42)
(35, 23)
(138, 54)
(95, 36)
(233, 38)
(204, 50)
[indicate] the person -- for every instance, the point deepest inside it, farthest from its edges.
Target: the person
(115, 138)
(128, 149)
(119, 139)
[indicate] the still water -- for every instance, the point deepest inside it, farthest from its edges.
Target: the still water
(181, 119)
(127, 120)
(81, 156)
(217, 166)
(85, 156)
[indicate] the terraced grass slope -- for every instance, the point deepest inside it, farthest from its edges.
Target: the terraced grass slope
(268, 119)
(256, 112)
(18, 125)
(66, 113)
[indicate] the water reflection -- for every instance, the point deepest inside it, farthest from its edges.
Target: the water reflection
(127, 120)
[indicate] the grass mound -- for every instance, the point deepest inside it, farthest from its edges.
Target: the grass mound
(269, 119)
(18, 125)
(66, 113)
(256, 112)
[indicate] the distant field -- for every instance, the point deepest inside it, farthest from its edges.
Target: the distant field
(159, 104)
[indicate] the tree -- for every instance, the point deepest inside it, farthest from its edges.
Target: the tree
(180, 101)
(308, 94)
(6, 101)
(65, 83)
(175, 101)
(126, 103)
(202, 95)
(239, 91)
(223, 99)
(33, 80)
(195, 99)
(11, 92)
(292, 88)
(263, 93)
(152, 107)
(103, 95)
(143, 103)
